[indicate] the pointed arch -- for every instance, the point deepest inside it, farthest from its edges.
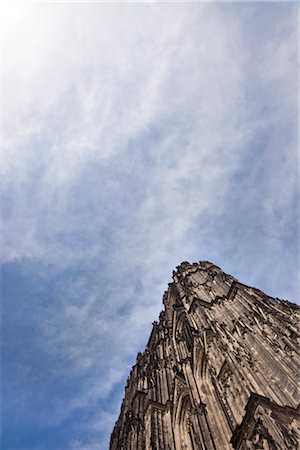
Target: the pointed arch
(182, 335)
(182, 423)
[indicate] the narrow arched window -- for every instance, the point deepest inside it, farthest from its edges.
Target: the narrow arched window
(188, 336)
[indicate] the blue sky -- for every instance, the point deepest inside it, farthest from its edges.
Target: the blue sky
(136, 136)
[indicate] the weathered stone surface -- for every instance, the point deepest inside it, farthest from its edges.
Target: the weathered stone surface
(220, 370)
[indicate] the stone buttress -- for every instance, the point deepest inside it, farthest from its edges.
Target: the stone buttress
(220, 370)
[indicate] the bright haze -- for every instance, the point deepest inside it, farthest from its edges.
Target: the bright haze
(135, 136)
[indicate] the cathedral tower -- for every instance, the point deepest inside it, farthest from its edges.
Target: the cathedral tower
(220, 370)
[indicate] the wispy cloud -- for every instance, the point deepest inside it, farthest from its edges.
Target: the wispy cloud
(136, 136)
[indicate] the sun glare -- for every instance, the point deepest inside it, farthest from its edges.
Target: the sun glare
(10, 17)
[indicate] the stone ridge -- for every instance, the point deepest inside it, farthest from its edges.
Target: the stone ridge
(220, 370)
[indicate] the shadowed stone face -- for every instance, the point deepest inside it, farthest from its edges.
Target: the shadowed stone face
(219, 372)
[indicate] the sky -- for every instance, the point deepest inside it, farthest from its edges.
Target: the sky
(135, 136)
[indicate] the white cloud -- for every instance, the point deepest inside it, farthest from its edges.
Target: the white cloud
(96, 89)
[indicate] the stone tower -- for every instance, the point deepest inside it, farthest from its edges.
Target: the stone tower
(220, 370)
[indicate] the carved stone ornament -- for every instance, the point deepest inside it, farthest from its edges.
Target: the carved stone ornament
(220, 370)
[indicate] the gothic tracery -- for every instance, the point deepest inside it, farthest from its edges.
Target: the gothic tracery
(220, 370)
